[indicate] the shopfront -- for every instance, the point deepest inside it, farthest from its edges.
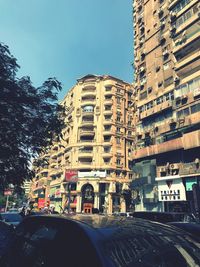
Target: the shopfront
(56, 197)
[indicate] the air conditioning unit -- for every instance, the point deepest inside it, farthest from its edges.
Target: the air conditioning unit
(142, 69)
(174, 166)
(162, 169)
(172, 120)
(165, 53)
(173, 28)
(172, 15)
(176, 79)
(196, 92)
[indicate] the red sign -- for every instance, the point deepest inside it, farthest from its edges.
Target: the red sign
(41, 203)
(7, 193)
(71, 176)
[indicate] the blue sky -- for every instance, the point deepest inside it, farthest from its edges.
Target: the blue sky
(68, 39)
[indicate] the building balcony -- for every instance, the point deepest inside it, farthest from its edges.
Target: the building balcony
(53, 164)
(111, 92)
(85, 165)
(108, 121)
(190, 37)
(188, 60)
(109, 132)
(88, 102)
(54, 155)
(89, 122)
(158, 148)
(87, 133)
(55, 171)
(187, 141)
(107, 155)
(87, 113)
(108, 112)
(55, 147)
(108, 101)
(193, 19)
(85, 154)
(86, 141)
(44, 171)
(88, 93)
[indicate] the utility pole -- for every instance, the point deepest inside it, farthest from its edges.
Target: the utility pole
(69, 197)
(7, 201)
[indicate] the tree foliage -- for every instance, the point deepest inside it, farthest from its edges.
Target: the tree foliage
(29, 118)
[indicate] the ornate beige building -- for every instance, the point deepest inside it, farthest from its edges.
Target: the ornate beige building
(95, 149)
(167, 74)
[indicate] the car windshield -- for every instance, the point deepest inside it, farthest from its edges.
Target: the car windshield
(11, 217)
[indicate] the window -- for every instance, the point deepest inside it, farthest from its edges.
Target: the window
(108, 117)
(183, 113)
(118, 140)
(108, 88)
(118, 100)
(168, 81)
(107, 127)
(106, 161)
(118, 130)
(180, 5)
(166, 66)
(159, 100)
(108, 107)
(169, 96)
(187, 15)
(118, 161)
(108, 97)
(107, 149)
(195, 108)
(149, 105)
(118, 119)
(107, 138)
(143, 95)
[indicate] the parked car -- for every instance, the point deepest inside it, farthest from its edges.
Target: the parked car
(99, 241)
(13, 218)
(165, 217)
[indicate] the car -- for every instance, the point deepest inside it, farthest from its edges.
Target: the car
(13, 218)
(99, 241)
(6, 235)
(193, 228)
(13, 210)
(165, 217)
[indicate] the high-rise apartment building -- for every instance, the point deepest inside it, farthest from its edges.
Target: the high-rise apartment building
(93, 160)
(167, 74)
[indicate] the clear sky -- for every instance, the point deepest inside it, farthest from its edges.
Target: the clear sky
(68, 39)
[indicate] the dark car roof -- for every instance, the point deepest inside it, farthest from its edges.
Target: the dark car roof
(103, 223)
(118, 241)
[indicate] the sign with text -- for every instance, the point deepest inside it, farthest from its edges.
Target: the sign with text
(41, 203)
(71, 176)
(8, 192)
(171, 190)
